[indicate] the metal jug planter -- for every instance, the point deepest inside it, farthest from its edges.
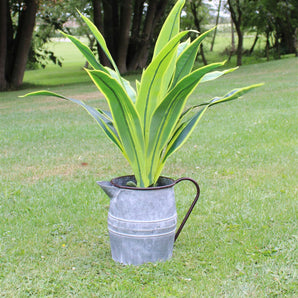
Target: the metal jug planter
(142, 221)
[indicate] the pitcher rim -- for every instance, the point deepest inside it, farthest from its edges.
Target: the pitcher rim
(143, 188)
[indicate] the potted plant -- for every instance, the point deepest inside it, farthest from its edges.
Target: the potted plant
(148, 125)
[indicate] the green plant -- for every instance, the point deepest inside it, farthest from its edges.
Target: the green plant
(152, 122)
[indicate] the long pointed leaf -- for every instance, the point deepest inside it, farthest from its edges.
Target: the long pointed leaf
(100, 39)
(167, 114)
(234, 94)
(170, 27)
(158, 78)
(85, 51)
(183, 132)
(180, 136)
(187, 58)
(208, 77)
(182, 46)
(98, 116)
(126, 84)
(216, 74)
(126, 121)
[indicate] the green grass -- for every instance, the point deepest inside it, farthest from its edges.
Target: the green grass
(70, 73)
(241, 239)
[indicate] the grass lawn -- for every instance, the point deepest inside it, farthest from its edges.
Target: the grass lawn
(241, 239)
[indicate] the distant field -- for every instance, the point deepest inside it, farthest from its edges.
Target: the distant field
(240, 241)
(73, 62)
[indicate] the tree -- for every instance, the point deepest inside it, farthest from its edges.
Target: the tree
(285, 21)
(17, 20)
(196, 14)
(278, 20)
(129, 29)
(54, 16)
(216, 24)
(236, 8)
(194, 6)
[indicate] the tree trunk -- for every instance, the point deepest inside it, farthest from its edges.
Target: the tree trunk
(125, 23)
(146, 35)
(98, 21)
(295, 42)
(135, 43)
(141, 39)
(254, 44)
(23, 42)
(287, 30)
(109, 25)
(3, 43)
(287, 40)
(267, 46)
(239, 47)
(232, 37)
(202, 53)
(17, 47)
(128, 28)
(215, 30)
(197, 21)
(277, 47)
(236, 15)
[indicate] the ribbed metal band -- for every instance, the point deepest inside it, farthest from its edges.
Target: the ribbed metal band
(142, 221)
(140, 236)
(144, 230)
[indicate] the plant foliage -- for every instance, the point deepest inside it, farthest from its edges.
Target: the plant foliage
(150, 123)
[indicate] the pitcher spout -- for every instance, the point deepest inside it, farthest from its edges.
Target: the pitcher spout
(111, 190)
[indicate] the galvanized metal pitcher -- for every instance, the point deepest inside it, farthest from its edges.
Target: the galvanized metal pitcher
(142, 221)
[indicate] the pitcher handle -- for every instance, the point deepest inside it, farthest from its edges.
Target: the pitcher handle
(192, 205)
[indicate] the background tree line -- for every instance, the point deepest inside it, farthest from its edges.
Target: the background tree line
(130, 28)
